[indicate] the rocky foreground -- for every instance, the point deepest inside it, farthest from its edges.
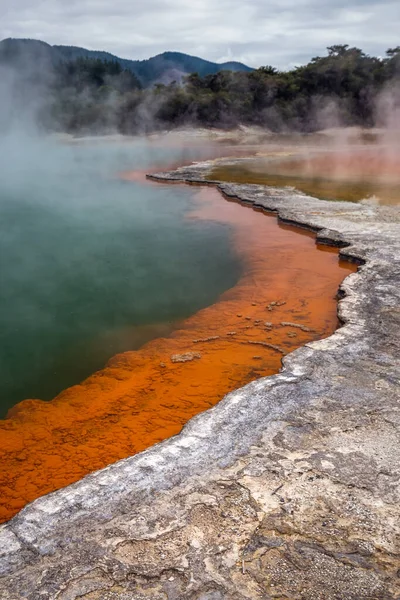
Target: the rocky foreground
(289, 488)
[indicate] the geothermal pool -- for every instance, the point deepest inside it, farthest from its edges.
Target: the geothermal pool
(201, 294)
(368, 173)
(92, 266)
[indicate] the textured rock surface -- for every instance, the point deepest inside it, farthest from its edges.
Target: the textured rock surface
(289, 488)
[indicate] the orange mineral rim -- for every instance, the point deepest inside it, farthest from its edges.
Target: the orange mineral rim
(285, 297)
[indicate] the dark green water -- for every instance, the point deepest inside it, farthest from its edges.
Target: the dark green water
(88, 261)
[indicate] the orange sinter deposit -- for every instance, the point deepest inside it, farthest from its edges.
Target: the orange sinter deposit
(285, 297)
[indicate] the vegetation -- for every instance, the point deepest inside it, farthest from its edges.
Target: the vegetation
(167, 66)
(345, 87)
(342, 87)
(85, 94)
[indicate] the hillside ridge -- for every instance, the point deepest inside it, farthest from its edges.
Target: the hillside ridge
(166, 66)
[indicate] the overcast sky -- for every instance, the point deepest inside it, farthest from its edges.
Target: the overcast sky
(283, 33)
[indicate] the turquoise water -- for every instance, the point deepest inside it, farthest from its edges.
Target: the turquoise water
(91, 265)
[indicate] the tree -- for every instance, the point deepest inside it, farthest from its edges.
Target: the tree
(338, 49)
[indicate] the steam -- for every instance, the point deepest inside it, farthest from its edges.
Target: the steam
(91, 265)
(388, 110)
(354, 162)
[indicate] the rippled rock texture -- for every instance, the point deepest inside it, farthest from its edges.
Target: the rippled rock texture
(289, 488)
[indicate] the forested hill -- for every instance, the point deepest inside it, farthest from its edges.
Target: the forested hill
(100, 93)
(163, 68)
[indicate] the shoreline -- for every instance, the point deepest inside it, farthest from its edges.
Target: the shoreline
(286, 450)
(141, 397)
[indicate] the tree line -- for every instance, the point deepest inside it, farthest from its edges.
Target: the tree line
(345, 87)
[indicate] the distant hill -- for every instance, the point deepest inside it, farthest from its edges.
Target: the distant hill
(28, 55)
(164, 68)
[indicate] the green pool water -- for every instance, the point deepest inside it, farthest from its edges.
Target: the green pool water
(91, 265)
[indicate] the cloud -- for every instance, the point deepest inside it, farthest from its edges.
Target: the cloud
(282, 33)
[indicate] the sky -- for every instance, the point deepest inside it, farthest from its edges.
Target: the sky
(282, 33)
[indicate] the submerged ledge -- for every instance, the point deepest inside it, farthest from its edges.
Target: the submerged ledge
(289, 487)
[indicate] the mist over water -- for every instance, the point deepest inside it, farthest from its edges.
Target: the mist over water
(349, 164)
(91, 265)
